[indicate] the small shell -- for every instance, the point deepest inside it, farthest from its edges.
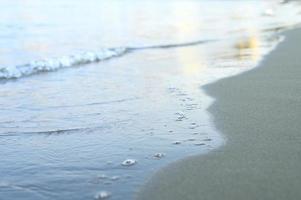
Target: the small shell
(102, 195)
(129, 162)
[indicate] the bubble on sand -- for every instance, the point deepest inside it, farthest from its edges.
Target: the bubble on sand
(128, 176)
(115, 178)
(159, 155)
(180, 116)
(4, 184)
(102, 195)
(176, 142)
(102, 176)
(109, 163)
(268, 12)
(199, 144)
(129, 162)
(193, 126)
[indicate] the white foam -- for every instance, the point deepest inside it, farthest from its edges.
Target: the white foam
(58, 63)
(102, 195)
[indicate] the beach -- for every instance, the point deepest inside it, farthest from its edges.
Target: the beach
(98, 96)
(259, 114)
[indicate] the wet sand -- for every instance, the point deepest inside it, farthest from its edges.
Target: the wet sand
(259, 112)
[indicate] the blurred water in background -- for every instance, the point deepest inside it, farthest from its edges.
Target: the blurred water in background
(66, 128)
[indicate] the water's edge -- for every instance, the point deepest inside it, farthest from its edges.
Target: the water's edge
(182, 174)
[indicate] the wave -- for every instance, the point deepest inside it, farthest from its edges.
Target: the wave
(168, 46)
(53, 64)
(59, 63)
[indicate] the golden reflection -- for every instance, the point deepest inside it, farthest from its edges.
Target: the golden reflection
(191, 61)
(249, 43)
(189, 20)
(248, 48)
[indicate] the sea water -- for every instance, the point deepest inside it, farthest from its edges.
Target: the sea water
(95, 96)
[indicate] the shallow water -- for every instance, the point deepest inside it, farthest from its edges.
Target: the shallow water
(64, 133)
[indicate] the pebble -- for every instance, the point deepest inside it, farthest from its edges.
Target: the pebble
(102, 195)
(129, 162)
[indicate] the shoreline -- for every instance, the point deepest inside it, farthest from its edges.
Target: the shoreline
(259, 114)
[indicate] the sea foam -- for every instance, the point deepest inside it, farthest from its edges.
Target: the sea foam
(53, 64)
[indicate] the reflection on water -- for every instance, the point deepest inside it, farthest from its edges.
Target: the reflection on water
(192, 60)
(61, 28)
(249, 48)
(248, 43)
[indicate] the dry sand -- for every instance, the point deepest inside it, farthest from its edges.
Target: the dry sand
(259, 112)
